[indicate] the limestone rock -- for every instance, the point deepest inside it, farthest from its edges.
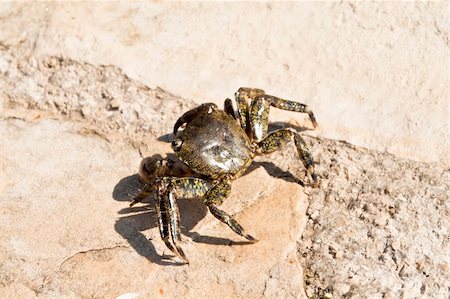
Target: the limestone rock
(67, 181)
(377, 225)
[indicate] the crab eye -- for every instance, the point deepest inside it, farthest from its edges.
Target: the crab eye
(176, 144)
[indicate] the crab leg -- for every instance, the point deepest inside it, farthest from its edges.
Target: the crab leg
(146, 191)
(259, 119)
(164, 222)
(242, 97)
(278, 138)
(290, 106)
(169, 222)
(169, 188)
(215, 196)
(259, 113)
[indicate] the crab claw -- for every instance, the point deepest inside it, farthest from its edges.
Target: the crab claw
(154, 167)
(148, 168)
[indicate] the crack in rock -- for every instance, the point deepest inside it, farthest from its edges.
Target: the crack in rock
(103, 249)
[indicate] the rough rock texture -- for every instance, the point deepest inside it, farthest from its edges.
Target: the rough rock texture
(377, 226)
(103, 96)
(67, 230)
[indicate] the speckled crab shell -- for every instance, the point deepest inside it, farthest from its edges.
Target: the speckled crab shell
(214, 144)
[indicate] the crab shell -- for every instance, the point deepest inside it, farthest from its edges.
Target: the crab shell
(213, 144)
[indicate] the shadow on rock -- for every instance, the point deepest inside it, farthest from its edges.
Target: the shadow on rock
(127, 188)
(134, 220)
(275, 172)
(273, 126)
(166, 138)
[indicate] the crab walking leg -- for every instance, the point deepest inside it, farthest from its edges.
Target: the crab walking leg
(290, 106)
(169, 188)
(259, 114)
(280, 137)
(259, 118)
(242, 97)
(215, 196)
(171, 224)
(146, 191)
(164, 224)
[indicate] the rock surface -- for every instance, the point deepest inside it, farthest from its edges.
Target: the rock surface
(376, 74)
(66, 184)
(67, 230)
(377, 226)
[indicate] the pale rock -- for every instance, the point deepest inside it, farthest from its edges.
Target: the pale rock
(395, 245)
(67, 178)
(341, 289)
(381, 219)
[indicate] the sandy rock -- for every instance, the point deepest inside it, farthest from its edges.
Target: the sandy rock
(395, 245)
(373, 73)
(377, 226)
(62, 241)
(388, 238)
(101, 96)
(68, 179)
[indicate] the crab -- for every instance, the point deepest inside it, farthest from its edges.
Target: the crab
(216, 147)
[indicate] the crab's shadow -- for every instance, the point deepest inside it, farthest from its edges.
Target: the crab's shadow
(134, 220)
